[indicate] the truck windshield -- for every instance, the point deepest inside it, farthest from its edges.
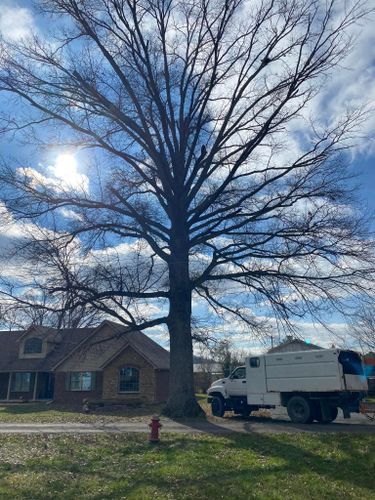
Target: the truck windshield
(351, 363)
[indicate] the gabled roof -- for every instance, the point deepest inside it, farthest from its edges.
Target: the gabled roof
(157, 355)
(69, 338)
(294, 342)
(107, 340)
(39, 330)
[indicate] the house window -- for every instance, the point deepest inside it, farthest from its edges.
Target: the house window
(129, 379)
(21, 382)
(82, 381)
(33, 346)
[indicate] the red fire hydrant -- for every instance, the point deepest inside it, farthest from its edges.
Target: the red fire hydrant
(155, 426)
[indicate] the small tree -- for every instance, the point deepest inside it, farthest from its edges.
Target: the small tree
(187, 108)
(227, 356)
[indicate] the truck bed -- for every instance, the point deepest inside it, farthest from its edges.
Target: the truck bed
(310, 371)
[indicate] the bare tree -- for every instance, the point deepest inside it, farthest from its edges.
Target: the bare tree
(362, 328)
(227, 356)
(27, 272)
(186, 106)
(19, 311)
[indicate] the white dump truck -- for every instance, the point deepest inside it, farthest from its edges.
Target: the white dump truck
(312, 385)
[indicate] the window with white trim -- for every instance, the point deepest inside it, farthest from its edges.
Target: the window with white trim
(129, 379)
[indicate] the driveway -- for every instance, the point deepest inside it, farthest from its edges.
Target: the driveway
(279, 423)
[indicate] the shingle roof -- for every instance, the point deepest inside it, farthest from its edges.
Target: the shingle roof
(107, 341)
(69, 338)
(306, 345)
(73, 340)
(156, 354)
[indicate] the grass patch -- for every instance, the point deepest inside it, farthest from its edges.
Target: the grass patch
(53, 413)
(189, 466)
(42, 413)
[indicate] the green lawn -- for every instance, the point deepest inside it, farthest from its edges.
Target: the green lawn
(42, 413)
(295, 466)
(52, 413)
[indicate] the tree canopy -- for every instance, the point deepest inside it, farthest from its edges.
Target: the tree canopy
(201, 184)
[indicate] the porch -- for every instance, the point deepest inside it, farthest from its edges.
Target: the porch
(26, 386)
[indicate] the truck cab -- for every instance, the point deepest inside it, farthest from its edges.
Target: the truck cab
(230, 393)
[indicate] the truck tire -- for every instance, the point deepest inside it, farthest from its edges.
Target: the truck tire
(217, 406)
(333, 412)
(300, 410)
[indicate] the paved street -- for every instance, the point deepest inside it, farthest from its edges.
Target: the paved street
(277, 424)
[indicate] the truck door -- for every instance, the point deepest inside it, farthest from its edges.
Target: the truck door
(256, 379)
(236, 383)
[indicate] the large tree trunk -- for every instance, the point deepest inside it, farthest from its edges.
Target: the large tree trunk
(182, 401)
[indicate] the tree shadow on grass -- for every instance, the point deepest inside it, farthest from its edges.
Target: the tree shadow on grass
(208, 465)
(288, 456)
(283, 444)
(354, 465)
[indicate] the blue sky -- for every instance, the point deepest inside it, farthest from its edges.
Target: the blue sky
(352, 85)
(366, 167)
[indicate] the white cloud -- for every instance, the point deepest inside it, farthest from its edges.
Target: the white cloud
(55, 180)
(12, 231)
(351, 86)
(15, 22)
(310, 332)
(70, 214)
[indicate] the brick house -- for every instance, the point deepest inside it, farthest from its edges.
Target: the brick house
(68, 365)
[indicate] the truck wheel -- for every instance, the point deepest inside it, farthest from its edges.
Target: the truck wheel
(300, 410)
(217, 406)
(333, 412)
